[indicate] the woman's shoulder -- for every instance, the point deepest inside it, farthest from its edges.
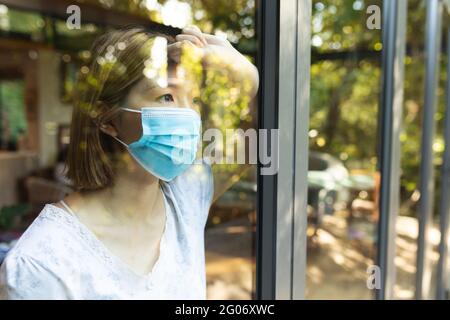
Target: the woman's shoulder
(35, 260)
(25, 277)
(52, 230)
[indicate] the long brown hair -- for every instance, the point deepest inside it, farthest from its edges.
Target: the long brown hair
(118, 62)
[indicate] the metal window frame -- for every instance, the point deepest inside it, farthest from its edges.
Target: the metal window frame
(432, 52)
(444, 205)
(390, 119)
(267, 185)
(284, 62)
(443, 265)
(303, 56)
(281, 232)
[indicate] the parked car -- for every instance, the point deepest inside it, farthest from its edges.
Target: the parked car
(327, 177)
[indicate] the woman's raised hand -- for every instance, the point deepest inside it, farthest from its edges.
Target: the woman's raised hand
(217, 53)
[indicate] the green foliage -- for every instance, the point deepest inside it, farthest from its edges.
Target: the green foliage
(23, 22)
(10, 215)
(12, 118)
(341, 25)
(345, 92)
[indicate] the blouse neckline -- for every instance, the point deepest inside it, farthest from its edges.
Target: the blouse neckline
(111, 259)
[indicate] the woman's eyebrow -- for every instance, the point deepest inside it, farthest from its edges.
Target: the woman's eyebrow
(150, 85)
(175, 82)
(171, 82)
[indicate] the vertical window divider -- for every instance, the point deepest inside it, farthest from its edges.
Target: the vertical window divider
(432, 53)
(302, 113)
(268, 33)
(443, 271)
(284, 34)
(394, 43)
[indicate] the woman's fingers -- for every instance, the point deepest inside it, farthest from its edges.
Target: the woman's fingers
(212, 39)
(175, 49)
(205, 38)
(193, 39)
(195, 31)
(178, 46)
(193, 27)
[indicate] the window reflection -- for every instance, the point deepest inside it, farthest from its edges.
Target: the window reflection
(37, 92)
(343, 181)
(407, 224)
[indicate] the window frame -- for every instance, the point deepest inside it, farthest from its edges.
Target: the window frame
(284, 63)
(390, 121)
(443, 265)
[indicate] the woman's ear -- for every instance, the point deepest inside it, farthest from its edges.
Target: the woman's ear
(109, 129)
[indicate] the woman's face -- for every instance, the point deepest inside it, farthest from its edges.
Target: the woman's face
(147, 93)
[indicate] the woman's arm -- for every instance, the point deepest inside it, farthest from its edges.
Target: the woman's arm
(218, 55)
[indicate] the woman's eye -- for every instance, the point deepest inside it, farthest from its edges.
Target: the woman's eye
(165, 98)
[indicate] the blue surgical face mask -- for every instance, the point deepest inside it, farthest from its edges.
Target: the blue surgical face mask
(169, 141)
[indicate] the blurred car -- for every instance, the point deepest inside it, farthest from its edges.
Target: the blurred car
(327, 186)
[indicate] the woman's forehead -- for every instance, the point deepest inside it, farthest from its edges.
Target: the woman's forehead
(161, 83)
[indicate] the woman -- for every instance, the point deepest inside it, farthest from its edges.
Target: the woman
(135, 227)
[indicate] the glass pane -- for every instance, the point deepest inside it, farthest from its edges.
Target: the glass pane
(343, 178)
(407, 225)
(89, 105)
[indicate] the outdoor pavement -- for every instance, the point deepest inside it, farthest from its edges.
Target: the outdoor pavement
(337, 259)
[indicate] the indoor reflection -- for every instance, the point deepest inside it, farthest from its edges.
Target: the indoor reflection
(33, 148)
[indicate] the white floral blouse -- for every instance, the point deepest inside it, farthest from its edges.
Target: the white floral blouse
(60, 258)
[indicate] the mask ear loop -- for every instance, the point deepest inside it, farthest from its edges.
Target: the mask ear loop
(117, 139)
(131, 110)
(121, 142)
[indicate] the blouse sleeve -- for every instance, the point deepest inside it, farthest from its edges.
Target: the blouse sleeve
(193, 191)
(207, 186)
(24, 278)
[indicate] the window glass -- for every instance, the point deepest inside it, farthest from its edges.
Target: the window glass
(407, 226)
(50, 56)
(343, 180)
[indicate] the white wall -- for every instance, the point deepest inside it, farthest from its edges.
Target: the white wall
(52, 111)
(13, 166)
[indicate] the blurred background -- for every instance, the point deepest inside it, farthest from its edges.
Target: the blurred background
(39, 61)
